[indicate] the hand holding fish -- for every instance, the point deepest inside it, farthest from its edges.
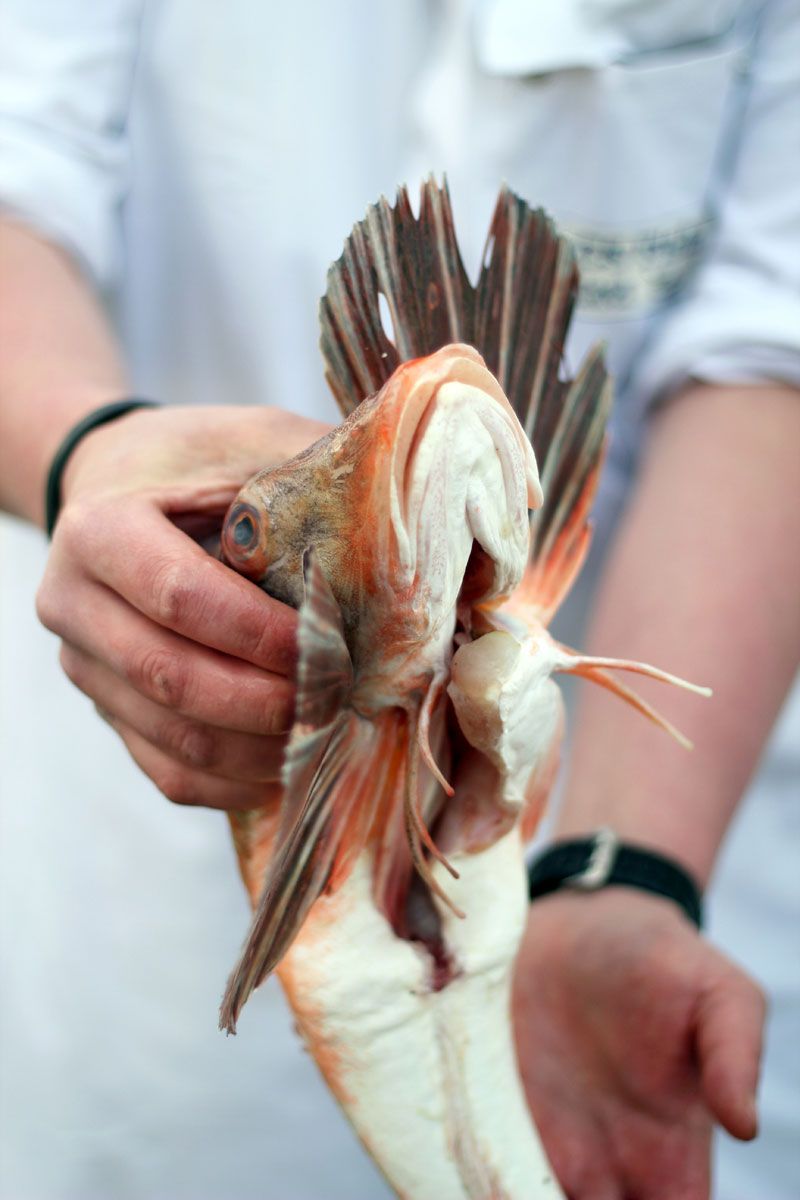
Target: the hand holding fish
(634, 1036)
(190, 664)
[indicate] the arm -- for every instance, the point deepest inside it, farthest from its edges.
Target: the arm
(59, 361)
(188, 661)
(704, 579)
(645, 1033)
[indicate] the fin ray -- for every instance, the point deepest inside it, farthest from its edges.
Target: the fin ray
(516, 317)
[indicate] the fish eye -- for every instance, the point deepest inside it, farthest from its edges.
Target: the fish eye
(244, 530)
(242, 535)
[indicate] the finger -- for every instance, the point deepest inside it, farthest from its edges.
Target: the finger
(184, 785)
(729, 1034)
(133, 548)
(246, 757)
(178, 674)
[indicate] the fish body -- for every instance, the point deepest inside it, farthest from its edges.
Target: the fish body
(426, 552)
(427, 1077)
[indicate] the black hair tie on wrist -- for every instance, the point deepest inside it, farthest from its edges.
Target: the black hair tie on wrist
(93, 420)
(602, 860)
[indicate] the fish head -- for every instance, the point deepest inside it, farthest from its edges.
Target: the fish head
(420, 497)
(284, 510)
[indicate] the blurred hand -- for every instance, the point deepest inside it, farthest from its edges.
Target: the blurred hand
(634, 1036)
(188, 661)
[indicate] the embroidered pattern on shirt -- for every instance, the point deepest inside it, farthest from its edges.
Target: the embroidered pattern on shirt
(631, 273)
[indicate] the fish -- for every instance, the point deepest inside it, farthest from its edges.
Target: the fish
(426, 542)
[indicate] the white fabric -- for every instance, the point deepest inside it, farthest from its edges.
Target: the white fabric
(204, 161)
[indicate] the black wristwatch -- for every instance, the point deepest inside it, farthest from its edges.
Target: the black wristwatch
(602, 860)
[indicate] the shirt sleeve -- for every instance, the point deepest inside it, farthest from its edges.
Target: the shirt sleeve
(739, 321)
(66, 71)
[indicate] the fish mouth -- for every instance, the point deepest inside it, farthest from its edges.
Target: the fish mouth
(462, 481)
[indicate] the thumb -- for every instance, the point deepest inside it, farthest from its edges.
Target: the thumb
(728, 1038)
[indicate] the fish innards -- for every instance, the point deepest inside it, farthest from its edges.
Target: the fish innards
(427, 542)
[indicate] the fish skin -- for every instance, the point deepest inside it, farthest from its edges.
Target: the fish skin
(415, 1068)
(420, 655)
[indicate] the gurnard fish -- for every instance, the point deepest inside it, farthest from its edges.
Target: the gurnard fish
(426, 552)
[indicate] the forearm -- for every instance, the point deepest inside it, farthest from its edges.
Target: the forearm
(58, 361)
(704, 580)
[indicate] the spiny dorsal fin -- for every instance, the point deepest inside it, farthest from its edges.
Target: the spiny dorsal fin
(569, 469)
(517, 317)
(415, 265)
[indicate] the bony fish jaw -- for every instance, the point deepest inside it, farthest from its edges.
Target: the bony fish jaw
(468, 474)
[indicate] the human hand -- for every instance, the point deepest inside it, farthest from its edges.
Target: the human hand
(189, 662)
(634, 1035)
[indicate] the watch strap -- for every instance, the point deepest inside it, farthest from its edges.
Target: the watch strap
(602, 860)
(93, 420)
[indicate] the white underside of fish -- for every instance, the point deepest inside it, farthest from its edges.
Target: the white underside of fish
(428, 1078)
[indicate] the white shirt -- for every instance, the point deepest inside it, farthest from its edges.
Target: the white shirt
(204, 163)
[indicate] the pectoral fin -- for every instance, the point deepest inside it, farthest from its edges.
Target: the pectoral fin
(598, 670)
(332, 786)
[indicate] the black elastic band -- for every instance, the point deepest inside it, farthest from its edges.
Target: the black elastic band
(576, 864)
(100, 416)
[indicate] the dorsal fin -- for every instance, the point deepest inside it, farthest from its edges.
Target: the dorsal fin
(569, 468)
(516, 317)
(415, 265)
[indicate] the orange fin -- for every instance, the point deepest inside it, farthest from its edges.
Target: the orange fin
(597, 670)
(569, 442)
(325, 670)
(254, 831)
(327, 778)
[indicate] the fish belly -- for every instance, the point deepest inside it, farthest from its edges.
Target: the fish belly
(428, 1078)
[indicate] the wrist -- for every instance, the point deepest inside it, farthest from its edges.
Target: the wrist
(669, 818)
(72, 450)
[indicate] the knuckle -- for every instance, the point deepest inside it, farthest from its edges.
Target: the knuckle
(756, 996)
(171, 595)
(195, 744)
(177, 786)
(48, 609)
(71, 525)
(71, 664)
(160, 674)
(257, 638)
(78, 526)
(254, 637)
(279, 715)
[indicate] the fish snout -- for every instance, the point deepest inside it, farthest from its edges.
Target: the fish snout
(244, 539)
